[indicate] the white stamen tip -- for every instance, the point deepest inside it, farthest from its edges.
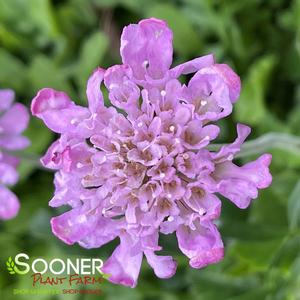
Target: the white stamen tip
(171, 218)
(202, 211)
(230, 157)
(162, 175)
(186, 156)
(203, 102)
(163, 93)
(145, 64)
(140, 124)
(172, 128)
(177, 140)
(73, 121)
(169, 196)
(112, 85)
(81, 219)
(79, 165)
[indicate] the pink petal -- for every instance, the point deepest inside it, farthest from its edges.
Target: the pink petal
(57, 111)
(147, 48)
(93, 91)
(163, 266)
(9, 204)
(6, 99)
(15, 120)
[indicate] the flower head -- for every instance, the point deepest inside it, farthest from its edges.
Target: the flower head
(141, 167)
(13, 121)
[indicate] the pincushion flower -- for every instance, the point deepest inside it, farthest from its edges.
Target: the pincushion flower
(13, 121)
(141, 167)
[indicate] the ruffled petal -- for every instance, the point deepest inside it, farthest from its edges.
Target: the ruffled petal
(210, 96)
(231, 79)
(227, 152)
(73, 225)
(57, 111)
(123, 93)
(125, 263)
(163, 266)
(203, 246)
(241, 184)
(147, 48)
(93, 91)
(192, 66)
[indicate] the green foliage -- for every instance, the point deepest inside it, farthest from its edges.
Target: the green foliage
(52, 43)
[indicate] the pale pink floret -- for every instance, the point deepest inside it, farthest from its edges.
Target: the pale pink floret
(141, 167)
(14, 119)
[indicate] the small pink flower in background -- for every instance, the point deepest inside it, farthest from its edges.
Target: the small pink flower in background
(144, 169)
(13, 121)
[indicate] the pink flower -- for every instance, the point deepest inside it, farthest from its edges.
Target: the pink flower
(144, 169)
(13, 121)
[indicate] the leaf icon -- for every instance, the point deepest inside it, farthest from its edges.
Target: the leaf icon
(10, 265)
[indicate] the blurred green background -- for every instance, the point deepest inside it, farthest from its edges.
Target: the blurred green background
(58, 43)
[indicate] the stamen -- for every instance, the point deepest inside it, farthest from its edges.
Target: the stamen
(172, 128)
(230, 157)
(140, 124)
(113, 85)
(162, 175)
(170, 218)
(163, 93)
(202, 211)
(145, 64)
(186, 156)
(203, 102)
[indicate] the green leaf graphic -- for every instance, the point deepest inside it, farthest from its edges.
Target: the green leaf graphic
(10, 265)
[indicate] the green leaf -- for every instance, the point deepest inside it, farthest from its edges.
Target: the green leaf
(186, 40)
(91, 55)
(43, 72)
(12, 71)
(251, 107)
(294, 208)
